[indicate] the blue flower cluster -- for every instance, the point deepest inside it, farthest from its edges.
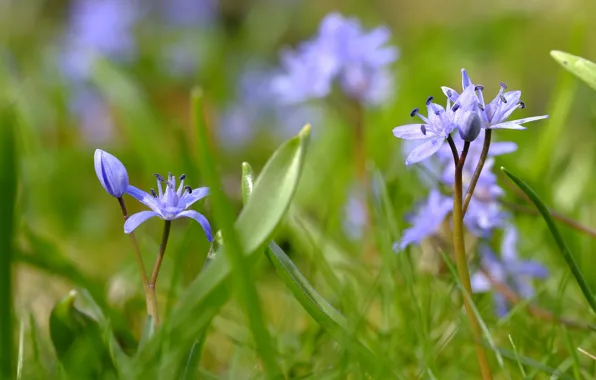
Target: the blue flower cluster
(342, 52)
(468, 114)
(168, 205)
(105, 29)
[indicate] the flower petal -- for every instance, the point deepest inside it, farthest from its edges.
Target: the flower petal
(136, 219)
(480, 283)
(188, 199)
(143, 197)
(531, 268)
(508, 125)
(498, 148)
(450, 93)
(199, 218)
(527, 119)
(505, 110)
(411, 132)
(465, 79)
(425, 150)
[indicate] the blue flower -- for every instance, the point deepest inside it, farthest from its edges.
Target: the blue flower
(169, 205)
(495, 114)
(437, 126)
(426, 220)
(342, 50)
(507, 269)
(111, 173)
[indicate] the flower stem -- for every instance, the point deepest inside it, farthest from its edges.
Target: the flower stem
(150, 301)
(478, 170)
(462, 263)
(156, 267)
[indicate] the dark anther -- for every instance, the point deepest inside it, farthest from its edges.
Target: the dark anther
(182, 177)
(423, 129)
(153, 193)
(503, 99)
(503, 85)
(160, 178)
(479, 87)
(481, 107)
(414, 112)
(455, 107)
(188, 188)
(430, 99)
(449, 93)
(522, 105)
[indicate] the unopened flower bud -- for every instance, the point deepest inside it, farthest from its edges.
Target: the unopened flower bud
(470, 126)
(111, 173)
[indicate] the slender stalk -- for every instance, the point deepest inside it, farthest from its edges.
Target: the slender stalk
(478, 170)
(360, 164)
(156, 267)
(453, 150)
(462, 263)
(150, 301)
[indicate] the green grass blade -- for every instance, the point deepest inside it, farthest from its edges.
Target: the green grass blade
(315, 304)
(578, 66)
(224, 216)
(8, 183)
(322, 311)
(21, 350)
(558, 238)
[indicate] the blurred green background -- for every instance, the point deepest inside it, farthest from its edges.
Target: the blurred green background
(69, 231)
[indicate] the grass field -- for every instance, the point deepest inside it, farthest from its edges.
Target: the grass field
(286, 110)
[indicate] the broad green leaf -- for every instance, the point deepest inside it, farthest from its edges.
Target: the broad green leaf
(578, 66)
(242, 273)
(557, 236)
(78, 340)
(272, 194)
(8, 185)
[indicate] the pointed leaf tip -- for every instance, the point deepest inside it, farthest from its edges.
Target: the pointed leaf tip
(578, 66)
(305, 131)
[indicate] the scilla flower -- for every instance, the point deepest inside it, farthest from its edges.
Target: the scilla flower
(169, 205)
(495, 114)
(111, 173)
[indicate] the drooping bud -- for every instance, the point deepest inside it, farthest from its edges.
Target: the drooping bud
(470, 126)
(111, 173)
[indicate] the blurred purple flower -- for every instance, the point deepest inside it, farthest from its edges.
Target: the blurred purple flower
(507, 269)
(256, 105)
(354, 219)
(96, 29)
(343, 51)
(495, 114)
(169, 205)
(426, 220)
(188, 13)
